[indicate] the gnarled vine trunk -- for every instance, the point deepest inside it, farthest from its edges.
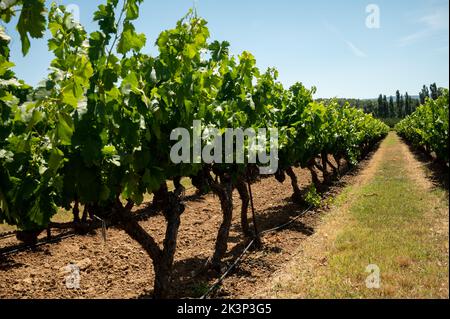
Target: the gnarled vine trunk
(80, 225)
(224, 190)
(159, 196)
(334, 168)
(179, 188)
(314, 176)
(76, 212)
(280, 176)
(324, 168)
(337, 159)
(297, 195)
(199, 181)
(245, 198)
(163, 270)
(162, 258)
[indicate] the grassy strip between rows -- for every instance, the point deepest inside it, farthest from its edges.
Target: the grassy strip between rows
(394, 223)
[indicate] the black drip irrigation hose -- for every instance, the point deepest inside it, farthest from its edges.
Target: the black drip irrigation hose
(240, 258)
(10, 250)
(23, 247)
(216, 284)
(8, 234)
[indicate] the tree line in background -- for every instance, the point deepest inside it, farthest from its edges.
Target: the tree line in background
(395, 107)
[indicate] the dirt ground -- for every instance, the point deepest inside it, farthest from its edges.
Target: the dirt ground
(119, 268)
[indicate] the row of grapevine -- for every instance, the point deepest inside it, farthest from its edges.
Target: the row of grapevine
(427, 127)
(96, 132)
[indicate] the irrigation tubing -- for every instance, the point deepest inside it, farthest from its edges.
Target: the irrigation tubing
(216, 284)
(15, 249)
(240, 258)
(23, 247)
(8, 234)
(20, 248)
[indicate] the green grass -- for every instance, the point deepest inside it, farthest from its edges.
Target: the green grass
(392, 222)
(391, 229)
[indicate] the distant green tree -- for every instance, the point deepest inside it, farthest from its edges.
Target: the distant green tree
(414, 104)
(424, 94)
(379, 113)
(372, 107)
(434, 92)
(402, 106)
(385, 107)
(365, 107)
(392, 112)
(397, 104)
(407, 104)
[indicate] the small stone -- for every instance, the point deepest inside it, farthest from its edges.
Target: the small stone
(17, 287)
(84, 264)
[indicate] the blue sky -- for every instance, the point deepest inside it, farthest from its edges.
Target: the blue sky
(324, 43)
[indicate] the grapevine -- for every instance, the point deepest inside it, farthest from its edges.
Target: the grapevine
(96, 132)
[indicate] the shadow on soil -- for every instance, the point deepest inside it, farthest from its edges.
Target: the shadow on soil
(438, 171)
(192, 279)
(192, 282)
(7, 263)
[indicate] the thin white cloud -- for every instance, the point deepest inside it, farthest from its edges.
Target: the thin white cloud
(356, 51)
(415, 37)
(353, 48)
(432, 24)
(436, 21)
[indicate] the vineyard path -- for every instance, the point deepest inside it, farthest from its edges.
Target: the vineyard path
(391, 225)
